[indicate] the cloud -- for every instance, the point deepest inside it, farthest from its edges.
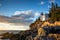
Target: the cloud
(23, 12)
(24, 18)
(49, 6)
(37, 14)
(51, 1)
(42, 2)
(47, 12)
(26, 15)
(9, 26)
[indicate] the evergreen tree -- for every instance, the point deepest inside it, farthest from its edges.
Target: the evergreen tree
(54, 13)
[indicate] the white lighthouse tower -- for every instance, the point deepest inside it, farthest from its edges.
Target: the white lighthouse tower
(42, 17)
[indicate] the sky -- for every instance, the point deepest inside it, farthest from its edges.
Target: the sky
(28, 10)
(9, 7)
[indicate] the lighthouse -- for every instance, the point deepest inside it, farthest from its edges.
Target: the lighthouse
(42, 17)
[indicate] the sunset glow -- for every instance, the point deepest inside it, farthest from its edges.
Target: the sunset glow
(7, 26)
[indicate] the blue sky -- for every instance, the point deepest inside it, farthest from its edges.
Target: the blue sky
(8, 7)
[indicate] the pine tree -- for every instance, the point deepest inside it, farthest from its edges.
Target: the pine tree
(54, 13)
